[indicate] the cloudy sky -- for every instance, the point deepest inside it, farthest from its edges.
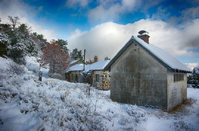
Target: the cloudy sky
(102, 27)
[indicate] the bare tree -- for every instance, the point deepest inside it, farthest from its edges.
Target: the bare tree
(57, 59)
(14, 21)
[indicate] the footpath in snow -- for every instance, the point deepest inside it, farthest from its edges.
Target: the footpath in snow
(28, 104)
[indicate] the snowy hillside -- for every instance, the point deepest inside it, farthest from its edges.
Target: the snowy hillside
(28, 104)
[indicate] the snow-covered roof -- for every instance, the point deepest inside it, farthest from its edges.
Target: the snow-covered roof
(98, 65)
(159, 53)
(77, 67)
(72, 62)
(75, 61)
(95, 66)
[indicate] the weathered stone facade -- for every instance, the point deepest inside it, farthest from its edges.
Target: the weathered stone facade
(146, 75)
(101, 80)
(97, 78)
(104, 81)
(138, 78)
(176, 91)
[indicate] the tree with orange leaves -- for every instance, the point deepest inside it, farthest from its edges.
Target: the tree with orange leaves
(56, 58)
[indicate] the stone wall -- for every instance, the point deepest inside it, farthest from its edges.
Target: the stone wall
(138, 78)
(104, 80)
(176, 91)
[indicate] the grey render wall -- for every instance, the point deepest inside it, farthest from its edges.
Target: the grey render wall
(138, 78)
(176, 91)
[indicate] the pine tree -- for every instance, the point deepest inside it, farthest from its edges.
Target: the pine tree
(4, 42)
(63, 44)
(76, 55)
(16, 47)
(195, 78)
(106, 58)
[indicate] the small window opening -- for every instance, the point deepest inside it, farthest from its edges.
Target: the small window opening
(97, 77)
(178, 77)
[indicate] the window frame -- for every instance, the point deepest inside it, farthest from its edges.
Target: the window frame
(178, 77)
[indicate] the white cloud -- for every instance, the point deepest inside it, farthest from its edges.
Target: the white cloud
(192, 65)
(74, 3)
(108, 38)
(110, 10)
(25, 14)
(191, 13)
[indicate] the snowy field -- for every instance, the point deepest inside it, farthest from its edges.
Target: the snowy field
(28, 104)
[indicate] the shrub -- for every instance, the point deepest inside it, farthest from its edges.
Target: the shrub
(15, 68)
(17, 54)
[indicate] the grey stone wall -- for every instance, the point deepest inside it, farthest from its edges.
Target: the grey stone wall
(104, 80)
(138, 78)
(176, 91)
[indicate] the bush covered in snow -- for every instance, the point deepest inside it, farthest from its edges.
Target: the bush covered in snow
(29, 104)
(15, 68)
(62, 105)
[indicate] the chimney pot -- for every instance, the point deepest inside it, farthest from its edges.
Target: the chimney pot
(95, 59)
(142, 34)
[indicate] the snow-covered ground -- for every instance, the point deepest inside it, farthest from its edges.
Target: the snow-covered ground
(28, 104)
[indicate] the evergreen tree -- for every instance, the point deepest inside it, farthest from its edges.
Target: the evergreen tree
(17, 49)
(3, 41)
(63, 44)
(24, 28)
(76, 55)
(195, 78)
(106, 58)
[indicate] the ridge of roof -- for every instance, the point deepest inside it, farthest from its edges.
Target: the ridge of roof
(74, 61)
(164, 57)
(99, 65)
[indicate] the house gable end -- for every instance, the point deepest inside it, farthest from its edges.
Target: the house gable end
(135, 40)
(138, 78)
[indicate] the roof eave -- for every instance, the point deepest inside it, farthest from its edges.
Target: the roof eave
(112, 61)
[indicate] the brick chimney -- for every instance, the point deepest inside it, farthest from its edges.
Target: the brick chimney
(95, 58)
(144, 35)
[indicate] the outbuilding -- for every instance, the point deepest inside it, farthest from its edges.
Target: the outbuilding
(98, 77)
(143, 74)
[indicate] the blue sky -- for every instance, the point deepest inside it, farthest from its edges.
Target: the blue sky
(104, 26)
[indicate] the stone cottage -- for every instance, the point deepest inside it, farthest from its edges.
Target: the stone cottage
(98, 78)
(146, 75)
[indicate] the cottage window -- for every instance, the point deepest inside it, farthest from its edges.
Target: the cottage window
(178, 77)
(72, 77)
(97, 77)
(76, 77)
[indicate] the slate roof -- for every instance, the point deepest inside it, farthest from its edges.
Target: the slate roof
(162, 56)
